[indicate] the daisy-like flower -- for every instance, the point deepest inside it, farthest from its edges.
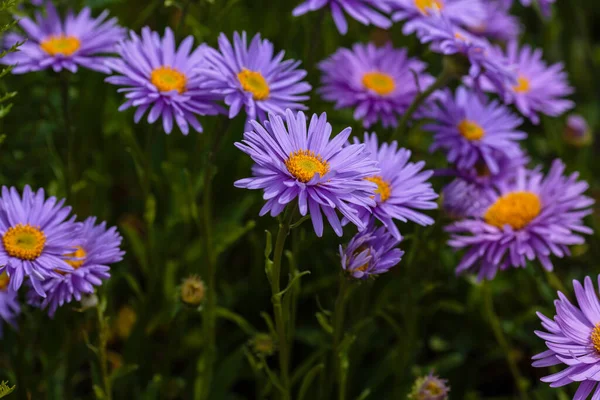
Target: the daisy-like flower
(79, 40)
(430, 387)
(402, 186)
(577, 132)
(539, 88)
(498, 24)
(472, 130)
(371, 252)
(162, 78)
(573, 340)
(531, 217)
(36, 236)
(254, 77)
(9, 304)
(463, 199)
(379, 83)
(294, 162)
(99, 247)
(459, 12)
(367, 12)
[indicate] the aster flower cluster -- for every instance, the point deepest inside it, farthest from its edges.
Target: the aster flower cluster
(43, 247)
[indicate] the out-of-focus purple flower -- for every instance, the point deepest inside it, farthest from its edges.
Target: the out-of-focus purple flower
(99, 247)
(9, 304)
(498, 24)
(371, 252)
(577, 132)
(379, 83)
(402, 186)
(539, 88)
(79, 40)
(459, 12)
(254, 77)
(463, 199)
(294, 162)
(573, 340)
(162, 78)
(473, 131)
(545, 5)
(36, 235)
(430, 387)
(531, 218)
(367, 12)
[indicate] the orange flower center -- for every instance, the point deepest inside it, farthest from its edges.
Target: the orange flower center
(470, 130)
(384, 190)
(60, 44)
(425, 5)
(516, 209)
(379, 82)
(304, 164)
(79, 257)
(595, 336)
(166, 79)
(522, 85)
(254, 83)
(24, 241)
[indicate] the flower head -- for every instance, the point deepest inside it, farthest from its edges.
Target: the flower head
(36, 237)
(253, 77)
(473, 131)
(462, 199)
(9, 304)
(402, 186)
(162, 78)
(458, 12)
(531, 217)
(98, 248)
(370, 252)
(78, 40)
(379, 83)
(193, 290)
(430, 387)
(573, 340)
(367, 12)
(498, 24)
(293, 162)
(577, 132)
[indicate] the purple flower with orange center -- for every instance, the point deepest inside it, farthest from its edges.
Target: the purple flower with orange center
(378, 83)
(253, 77)
(573, 340)
(474, 131)
(463, 199)
(367, 12)
(99, 248)
(79, 40)
(9, 304)
(36, 236)
(371, 252)
(162, 78)
(296, 162)
(531, 217)
(460, 12)
(430, 387)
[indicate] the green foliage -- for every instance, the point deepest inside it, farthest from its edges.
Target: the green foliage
(6, 7)
(5, 390)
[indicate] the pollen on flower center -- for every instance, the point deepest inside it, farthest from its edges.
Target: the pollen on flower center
(434, 388)
(78, 257)
(24, 241)
(379, 82)
(522, 85)
(425, 5)
(60, 44)
(254, 83)
(384, 190)
(470, 130)
(166, 79)
(516, 209)
(4, 281)
(595, 336)
(304, 164)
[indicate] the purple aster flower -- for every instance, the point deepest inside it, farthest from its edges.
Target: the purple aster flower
(430, 387)
(295, 163)
(379, 83)
(99, 247)
(463, 199)
(402, 186)
(539, 88)
(163, 78)
(371, 252)
(573, 340)
(577, 132)
(530, 218)
(36, 235)
(459, 12)
(366, 12)
(9, 304)
(498, 24)
(53, 43)
(254, 77)
(473, 131)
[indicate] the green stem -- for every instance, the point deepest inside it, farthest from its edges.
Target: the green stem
(66, 109)
(496, 326)
(441, 81)
(338, 331)
(103, 333)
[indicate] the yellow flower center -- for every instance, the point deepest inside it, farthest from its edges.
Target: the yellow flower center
(516, 209)
(595, 336)
(425, 5)
(80, 253)
(304, 164)
(4, 281)
(166, 79)
(522, 85)
(470, 130)
(60, 44)
(384, 190)
(24, 241)
(433, 388)
(379, 82)
(254, 83)
(362, 248)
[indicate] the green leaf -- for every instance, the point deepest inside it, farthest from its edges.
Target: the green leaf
(308, 378)
(324, 322)
(5, 390)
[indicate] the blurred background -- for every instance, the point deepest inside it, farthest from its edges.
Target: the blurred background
(417, 318)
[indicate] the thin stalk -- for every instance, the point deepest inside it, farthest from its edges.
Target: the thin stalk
(102, 353)
(66, 109)
(338, 332)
